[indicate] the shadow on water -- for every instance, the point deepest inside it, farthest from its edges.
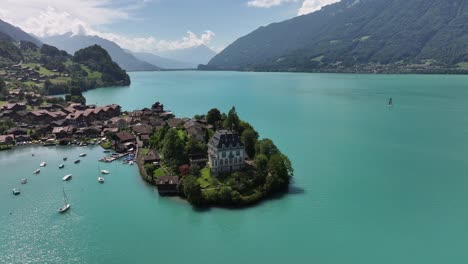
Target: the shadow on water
(292, 190)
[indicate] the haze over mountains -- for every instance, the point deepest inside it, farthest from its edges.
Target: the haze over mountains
(358, 36)
(188, 58)
(71, 43)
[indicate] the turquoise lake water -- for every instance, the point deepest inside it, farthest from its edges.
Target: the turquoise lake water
(372, 184)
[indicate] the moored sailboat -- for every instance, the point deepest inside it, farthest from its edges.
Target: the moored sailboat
(66, 205)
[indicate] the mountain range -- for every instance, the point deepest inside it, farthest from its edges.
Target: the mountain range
(46, 69)
(192, 56)
(358, 36)
(188, 58)
(71, 43)
(16, 33)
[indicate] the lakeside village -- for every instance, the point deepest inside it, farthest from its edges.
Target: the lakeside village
(214, 159)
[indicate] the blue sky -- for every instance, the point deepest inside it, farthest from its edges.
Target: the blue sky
(154, 25)
(228, 19)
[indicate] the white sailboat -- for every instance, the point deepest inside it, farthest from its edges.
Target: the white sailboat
(105, 171)
(82, 154)
(66, 205)
(37, 171)
(100, 179)
(43, 164)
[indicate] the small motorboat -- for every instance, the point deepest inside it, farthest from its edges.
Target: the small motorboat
(67, 177)
(66, 205)
(77, 161)
(16, 191)
(37, 171)
(390, 102)
(130, 162)
(106, 151)
(83, 155)
(65, 158)
(61, 166)
(43, 164)
(24, 181)
(100, 180)
(105, 171)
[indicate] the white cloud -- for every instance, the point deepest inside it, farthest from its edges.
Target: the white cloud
(309, 6)
(267, 3)
(55, 17)
(151, 44)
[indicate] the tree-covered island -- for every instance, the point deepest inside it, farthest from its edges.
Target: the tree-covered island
(215, 159)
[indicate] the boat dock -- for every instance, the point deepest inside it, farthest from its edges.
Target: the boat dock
(113, 157)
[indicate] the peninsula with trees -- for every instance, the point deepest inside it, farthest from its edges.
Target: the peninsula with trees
(213, 159)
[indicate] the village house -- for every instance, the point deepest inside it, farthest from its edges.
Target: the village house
(15, 107)
(174, 122)
(226, 152)
(167, 185)
(17, 131)
(7, 139)
(124, 141)
(63, 132)
(118, 122)
(109, 130)
(152, 157)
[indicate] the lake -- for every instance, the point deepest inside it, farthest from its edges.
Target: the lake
(371, 185)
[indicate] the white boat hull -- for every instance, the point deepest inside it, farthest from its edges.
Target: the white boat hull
(64, 208)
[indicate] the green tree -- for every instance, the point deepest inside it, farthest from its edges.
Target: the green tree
(213, 117)
(173, 149)
(261, 163)
(266, 147)
(225, 195)
(3, 90)
(249, 138)
(157, 138)
(195, 147)
(192, 190)
(232, 121)
(76, 91)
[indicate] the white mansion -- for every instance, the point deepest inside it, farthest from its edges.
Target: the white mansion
(226, 152)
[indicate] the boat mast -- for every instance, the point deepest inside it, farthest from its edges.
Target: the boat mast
(65, 200)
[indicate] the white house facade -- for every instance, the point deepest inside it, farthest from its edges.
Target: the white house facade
(226, 152)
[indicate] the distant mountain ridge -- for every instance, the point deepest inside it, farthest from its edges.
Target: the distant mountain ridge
(71, 43)
(162, 62)
(193, 56)
(358, 36)
(17, 34)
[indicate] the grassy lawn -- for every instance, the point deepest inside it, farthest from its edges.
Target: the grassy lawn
(463, 65)
(92, 74)
(42, 70)
(3, 103)
(159, 172)
(106, 144)
(206, 180)
(61, 80)
(144, 151)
